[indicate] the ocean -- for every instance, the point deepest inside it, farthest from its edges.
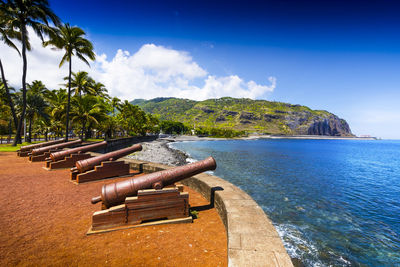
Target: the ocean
(333, 202)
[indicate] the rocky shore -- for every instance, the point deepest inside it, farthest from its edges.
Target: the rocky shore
(158, 151)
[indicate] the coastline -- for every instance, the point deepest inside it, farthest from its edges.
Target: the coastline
(255, 137)
(159, 151)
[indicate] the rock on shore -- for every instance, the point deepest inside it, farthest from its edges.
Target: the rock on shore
(158, 151)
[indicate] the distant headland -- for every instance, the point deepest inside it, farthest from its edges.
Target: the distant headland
(232, 117)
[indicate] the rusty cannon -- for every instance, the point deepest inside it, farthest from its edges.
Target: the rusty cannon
(115, 193)
(103, 166)
(41, 153)
(25, 150)
(147, 199)
(68, 158)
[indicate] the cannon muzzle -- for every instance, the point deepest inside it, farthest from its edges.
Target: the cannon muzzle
(55, 156)
(115, 193)
(88, 164)
(33, 146)
(42, 150)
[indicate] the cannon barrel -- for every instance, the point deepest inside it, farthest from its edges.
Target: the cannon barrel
(88, 164)
(42, 150)
(55, 156)
(43, 144)
(115, 193)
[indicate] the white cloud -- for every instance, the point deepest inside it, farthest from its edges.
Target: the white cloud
(152, 71)
(42, 64)
(155, 71)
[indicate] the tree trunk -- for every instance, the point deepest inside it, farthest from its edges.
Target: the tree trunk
(9, 130)
(89, 132)
(83, 129)
(45, 135)
(17, 139)
(69, 97)
(30, 131)
(9, 99)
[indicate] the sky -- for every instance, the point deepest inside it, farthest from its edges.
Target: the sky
(340, 56)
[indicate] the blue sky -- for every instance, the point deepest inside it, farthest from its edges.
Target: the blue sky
(340, 56)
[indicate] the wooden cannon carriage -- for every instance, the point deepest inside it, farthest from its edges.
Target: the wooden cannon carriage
(68, 158)
(149, 199)
(25, 150)
(103, 166)
(41, 153)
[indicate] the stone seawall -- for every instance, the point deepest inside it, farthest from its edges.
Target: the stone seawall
(252, 239)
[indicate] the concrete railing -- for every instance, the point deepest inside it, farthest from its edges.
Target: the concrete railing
(252, 239)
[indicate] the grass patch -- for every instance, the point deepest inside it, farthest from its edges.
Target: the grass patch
(10, 148)
(94, 139)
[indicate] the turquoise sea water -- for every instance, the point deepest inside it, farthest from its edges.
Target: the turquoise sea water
(333, 202)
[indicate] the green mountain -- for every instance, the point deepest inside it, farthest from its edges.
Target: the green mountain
(244, 114)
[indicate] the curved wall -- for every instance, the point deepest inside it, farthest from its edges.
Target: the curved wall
(252, 239)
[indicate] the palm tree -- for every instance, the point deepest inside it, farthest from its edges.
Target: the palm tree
(44, 126)
(85, 110)
(116, 104)
(6, 34)
(72, 41)
(7, 110)
(37, 87)
(4, 108)
(80, 82)
(58, 102)
(20, 15)
(36, 107)
(98, 89)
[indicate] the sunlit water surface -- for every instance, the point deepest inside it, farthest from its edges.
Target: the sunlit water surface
(333, 202)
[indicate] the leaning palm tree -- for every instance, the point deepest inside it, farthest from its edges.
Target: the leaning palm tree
(20, 15)
(7, 33)
(72, 41)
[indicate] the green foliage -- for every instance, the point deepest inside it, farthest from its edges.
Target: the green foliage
(230, 117)
(135, 121)
(194, 214)
(86, 110)
(72, 41)
(219, 132)
(18, 16)
(173, 127)
(5, 112)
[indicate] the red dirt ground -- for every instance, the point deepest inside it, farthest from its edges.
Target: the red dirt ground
(44, 219)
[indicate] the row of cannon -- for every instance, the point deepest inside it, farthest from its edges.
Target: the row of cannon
(85, 167)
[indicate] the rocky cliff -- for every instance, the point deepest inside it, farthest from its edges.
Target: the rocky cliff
(247, 115)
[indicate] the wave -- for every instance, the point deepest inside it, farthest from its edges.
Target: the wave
(300, 247)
